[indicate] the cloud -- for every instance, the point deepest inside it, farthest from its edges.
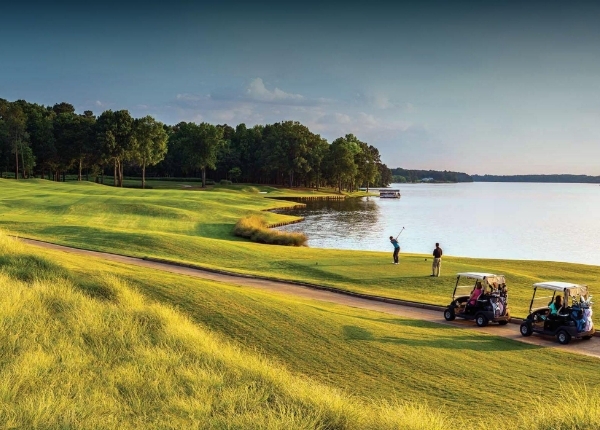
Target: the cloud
(186, 97)
(258, 92)
(382, 102)
(100, 104)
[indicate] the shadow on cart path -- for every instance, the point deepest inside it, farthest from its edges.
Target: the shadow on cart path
(510, 331)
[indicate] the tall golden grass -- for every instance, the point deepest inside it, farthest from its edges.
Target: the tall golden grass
(255, 228)
(565, 407)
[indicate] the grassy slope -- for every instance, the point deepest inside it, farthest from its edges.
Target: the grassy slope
(90, 352)
(196, 227)
(370, 355)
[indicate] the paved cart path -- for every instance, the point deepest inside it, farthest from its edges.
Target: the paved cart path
(509, 331)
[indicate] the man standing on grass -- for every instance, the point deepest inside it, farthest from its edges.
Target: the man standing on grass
(396, 248)
(437, 261)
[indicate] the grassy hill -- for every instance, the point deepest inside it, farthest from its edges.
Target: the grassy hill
(96, 354)
(197, 227)
(96, 344)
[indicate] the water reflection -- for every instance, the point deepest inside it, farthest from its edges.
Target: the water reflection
(336, 223)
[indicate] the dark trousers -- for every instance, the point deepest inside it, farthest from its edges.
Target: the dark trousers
(396, 251)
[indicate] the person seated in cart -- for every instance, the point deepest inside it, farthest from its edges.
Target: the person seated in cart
(555, 306)
(475, 294)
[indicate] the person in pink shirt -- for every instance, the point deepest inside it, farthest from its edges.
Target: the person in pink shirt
(475, 294)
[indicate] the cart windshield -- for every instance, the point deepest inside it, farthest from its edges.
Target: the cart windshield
(542, 299)
(465, 289)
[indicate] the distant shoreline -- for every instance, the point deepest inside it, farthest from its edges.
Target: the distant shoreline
(554, 179)
(400, 175)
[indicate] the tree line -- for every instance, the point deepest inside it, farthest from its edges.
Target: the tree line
(53, 141)
(565, 178)
(405, 175)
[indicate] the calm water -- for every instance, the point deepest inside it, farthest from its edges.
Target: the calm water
(558, 222)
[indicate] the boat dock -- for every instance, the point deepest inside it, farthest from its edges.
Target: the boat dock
(386, 193)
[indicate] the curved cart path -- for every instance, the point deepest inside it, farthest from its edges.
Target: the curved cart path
(510, 331)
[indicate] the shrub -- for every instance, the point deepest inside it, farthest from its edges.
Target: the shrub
(256, 229)
(224, 182)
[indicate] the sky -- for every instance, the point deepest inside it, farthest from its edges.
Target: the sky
(495, 87)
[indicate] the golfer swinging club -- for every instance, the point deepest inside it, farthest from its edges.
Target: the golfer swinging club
(396, 246)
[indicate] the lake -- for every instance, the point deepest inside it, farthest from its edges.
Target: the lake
(556, 222)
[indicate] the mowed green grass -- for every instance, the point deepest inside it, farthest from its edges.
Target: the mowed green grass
(196, 227)
(371, 356)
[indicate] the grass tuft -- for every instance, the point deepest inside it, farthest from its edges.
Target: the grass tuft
(255, 228)
(576, 407)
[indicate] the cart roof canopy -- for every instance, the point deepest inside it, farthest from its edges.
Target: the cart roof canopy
(560, 286)
(477, 275)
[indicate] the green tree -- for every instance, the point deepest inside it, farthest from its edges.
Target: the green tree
(15, 121)
(151, 143)
(227, 156)
(40, 127)
(341, 165)
(60, 108)
(234, 174)
(385, 175)
(85, 148)
(317, 153)
(66, 130)
(288, 146)
(27, 161)
(5, 155)
(200, 145)
(367, 163)
(115, 135)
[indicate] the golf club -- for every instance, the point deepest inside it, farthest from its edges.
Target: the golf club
(400, 233)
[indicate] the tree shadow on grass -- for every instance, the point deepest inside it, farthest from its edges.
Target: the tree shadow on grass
(352, 332)
(222, 231)
(470, 342)
(463, 343)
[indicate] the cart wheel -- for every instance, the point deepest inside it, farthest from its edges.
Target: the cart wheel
(449, 314)
(526, 329)
(503, 322)
(586, 337)
(563, 337)
(481, 320)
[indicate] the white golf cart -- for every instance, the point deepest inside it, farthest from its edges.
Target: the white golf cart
(490, 306)
(573, 320)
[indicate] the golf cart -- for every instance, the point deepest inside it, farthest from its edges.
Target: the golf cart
(573, 320)
(490, 306)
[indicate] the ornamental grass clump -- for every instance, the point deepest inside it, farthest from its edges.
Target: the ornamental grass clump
(576, 406)
(256, 229)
